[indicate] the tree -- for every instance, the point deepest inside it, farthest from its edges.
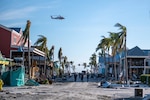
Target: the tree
(60, 55)
(51, 54)
(42, 45)
(26, 38)
(104, 45)
(115, 42)
(73, 66)
(66, 62)
(93, 61)
(60, 58)
(123, 37)
(85, 65)
(115, 48)
(51, 59)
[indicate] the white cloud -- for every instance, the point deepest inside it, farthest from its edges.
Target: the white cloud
(16, 13)
(23, 12)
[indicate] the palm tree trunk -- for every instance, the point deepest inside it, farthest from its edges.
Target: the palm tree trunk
(126, 66)
(45, 62)
(120, 68)
(52, 65)
(115, 68)
(106, 68)
(23, 55)
(29, 61)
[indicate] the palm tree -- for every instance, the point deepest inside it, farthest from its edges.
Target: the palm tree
(123, 37)
(73, 68)
(115, 48)
(104, 45)
(93, 61)
(71, 62)
(51, 54)
(64, 63)
(26, 38)
(108, 43)
(51, 59)
(85, 65)
(115, 42)
(42, 45)
(60, 57)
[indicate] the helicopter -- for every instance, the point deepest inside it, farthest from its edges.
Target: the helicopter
(57, 17)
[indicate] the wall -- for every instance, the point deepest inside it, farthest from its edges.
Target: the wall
(5, 37)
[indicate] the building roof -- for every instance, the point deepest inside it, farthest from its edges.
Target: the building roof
(16, 29)
(11, 28)
(136, 51)
(4, 27)
(32, 49)
(147, 52)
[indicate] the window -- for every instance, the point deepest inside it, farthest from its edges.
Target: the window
(15, 40)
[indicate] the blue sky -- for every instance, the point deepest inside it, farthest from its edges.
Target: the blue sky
(85, 22)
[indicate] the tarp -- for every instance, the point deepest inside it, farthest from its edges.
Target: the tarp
(14, 78)
(31, 82)
(106, 84)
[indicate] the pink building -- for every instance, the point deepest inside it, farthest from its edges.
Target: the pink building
(9, 38)
(9, 46)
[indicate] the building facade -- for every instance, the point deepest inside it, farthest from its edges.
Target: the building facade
(138, 63)
(11, 47)
(9, 38)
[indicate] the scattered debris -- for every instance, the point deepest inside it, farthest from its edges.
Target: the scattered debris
(31, 82)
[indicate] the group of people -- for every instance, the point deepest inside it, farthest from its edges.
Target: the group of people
(81, 76)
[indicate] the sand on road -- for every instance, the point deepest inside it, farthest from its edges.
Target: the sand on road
(67, 91)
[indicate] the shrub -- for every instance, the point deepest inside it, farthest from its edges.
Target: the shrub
(144, 78)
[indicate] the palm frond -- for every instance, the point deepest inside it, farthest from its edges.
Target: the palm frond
(25, 34)
(118, 25)
(60, 54)
(41, 42)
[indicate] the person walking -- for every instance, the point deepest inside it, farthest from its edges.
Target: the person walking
(54, 76)
(87, 76)
(75, 77)
(82, 77)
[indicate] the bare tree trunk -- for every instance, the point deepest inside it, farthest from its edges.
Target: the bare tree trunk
(45, 60)
(53, 65)
(106, 68)
(115, 68)
(23, 55)
(29, 61)
(126, 66)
